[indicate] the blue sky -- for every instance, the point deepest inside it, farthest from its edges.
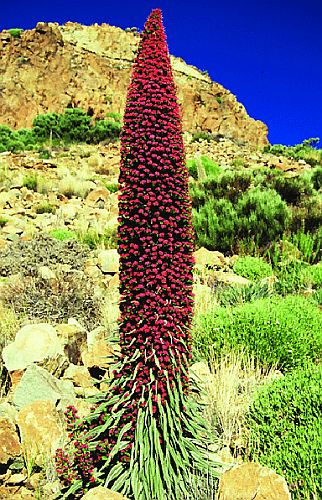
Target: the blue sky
(267, 52)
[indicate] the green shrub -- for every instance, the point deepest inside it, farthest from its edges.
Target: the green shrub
(309, 245)
(292, 189)
(317, 178)
(5, 137)
(286, 428)
(46, 126)
(30, 182)
(285, 332)
(203, 167)
(202, 136)
(290, 277)
(229, 295)
(112, 186)
(63, 234)
(3, 221)
(215, 225)
(26, 137)
(230, 185)
(74, 125)
(312, 276)
(263, 215)
(15, 32)
(252, 268)
(308, 216)
(45, 208)
(104, 130)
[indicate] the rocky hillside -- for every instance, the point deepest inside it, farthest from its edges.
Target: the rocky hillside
(53, 67)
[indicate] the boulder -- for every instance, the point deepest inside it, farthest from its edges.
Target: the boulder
(97, 195)
(249, 481)
(33, 343)
(37, 384)
(230, 279)
(100, 493)
(204, 257)
(9, 441)
(40, 430)
(108, 261)
(79, 375)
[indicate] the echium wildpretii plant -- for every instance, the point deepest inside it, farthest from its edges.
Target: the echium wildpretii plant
(144, 437)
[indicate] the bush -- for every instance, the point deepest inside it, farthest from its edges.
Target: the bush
(74, 125)
(69, 295)
(63, 234)
(312, 276)
(45, 208)
(104, 130)
(290, 277)
(30, 182)
(252, 268)
(285, 332)
(285, 429)
(230, 185)
(229, 295)
(203, 167)
(292, 189)
(26, 256)
(15, 32)
(202, 136)
(215, 225)
(317, 178)
(46, 126)
(308, 216)
(263, 215)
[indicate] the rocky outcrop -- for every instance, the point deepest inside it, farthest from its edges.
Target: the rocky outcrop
(252, 481)
(53, 67)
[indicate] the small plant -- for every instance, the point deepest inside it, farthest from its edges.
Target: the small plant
(45, 208)
(63, 234)
(112, 186)
(317, 178)
(30, 182)
(219, 99)
(238, 295)
(15, 32)
(252, 268)
(3, 221)
(202, 136)
(285, 429)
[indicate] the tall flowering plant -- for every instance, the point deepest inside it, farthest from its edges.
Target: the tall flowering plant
(141, 437)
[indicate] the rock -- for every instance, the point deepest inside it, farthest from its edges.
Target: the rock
(249, 481)
(100, 493)
(230, 279)
(17, 478)
(108, 261)
(46, 273)
(74, 340)
(33, 343)
(79, 375)
(99, 354)
(9, 441)
(40, 430)
(37, 384)
(16, 493)
(204, 257)
(97, 195)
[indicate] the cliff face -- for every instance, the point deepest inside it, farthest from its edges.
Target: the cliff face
(53, 67)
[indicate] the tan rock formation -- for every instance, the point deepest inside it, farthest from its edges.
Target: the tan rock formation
(53, 67)
(252, 481)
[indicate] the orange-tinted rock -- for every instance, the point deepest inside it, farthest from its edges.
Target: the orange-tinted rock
(249, 481)
(75, 57)
(9, 441)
